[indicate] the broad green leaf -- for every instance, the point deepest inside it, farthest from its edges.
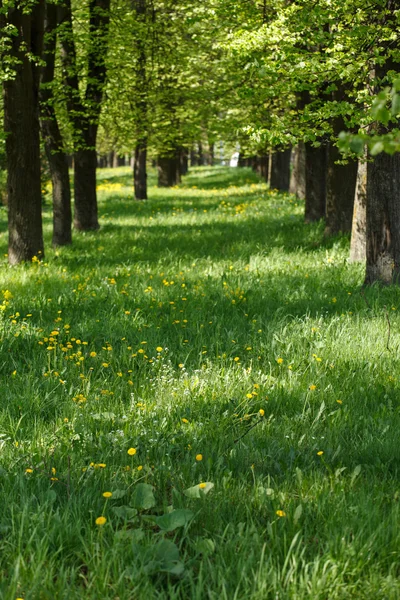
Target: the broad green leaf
(198, 492)
(117, 494)
(205, 546)
(173, 520)
(143, 496)
(133, 535)
(377, 148)
(125, 512)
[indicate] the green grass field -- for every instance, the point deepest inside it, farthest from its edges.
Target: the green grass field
(233, 352)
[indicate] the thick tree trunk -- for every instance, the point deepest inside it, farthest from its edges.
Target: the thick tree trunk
(297, 184)
(340, 192)
(383, 219)
(200, 154)
(85, 213)
(21, 125)
(120, 161)
(315, 190)
(262, 166)
(241, 161)
(280, 171)
(359, 226)
(193, 157)
(62, 214)
(167, 171)
(184, 161)
(140, 171)
(56, 157)
(84, 106)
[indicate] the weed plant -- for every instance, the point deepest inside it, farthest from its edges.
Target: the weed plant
(198, 401)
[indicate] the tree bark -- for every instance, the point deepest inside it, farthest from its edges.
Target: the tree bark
(297, 184)
(280, 171)
(262, 166)
(21, 125)
(85, 214)
(184, 161)
(315, 192)
(140, 171)
(56, 156)
(383, 220)
(340, 190)
(359, 226)
(84, 112)
(167, 167)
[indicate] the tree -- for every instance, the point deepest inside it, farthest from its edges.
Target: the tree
(84, 95)
(24, 24)
(56, 156)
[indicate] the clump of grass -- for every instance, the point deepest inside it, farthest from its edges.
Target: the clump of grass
(208, 360)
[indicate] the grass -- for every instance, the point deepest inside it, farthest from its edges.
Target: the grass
(207, 321)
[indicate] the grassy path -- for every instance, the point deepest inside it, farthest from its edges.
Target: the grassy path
(227, 347)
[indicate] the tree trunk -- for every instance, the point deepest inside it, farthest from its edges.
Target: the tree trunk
(193, 157)
(211, 153)
(315, 184)
(120, 161)
(85, 213)
(262, 166)
(383, 219)
(184, 161)
(359, 226)
(56, 157)
(84, 106)
(167, 171)
(140, 171)
(297, 184)
(340, 191)
(21, 126)
(200, 154)
(280, 172)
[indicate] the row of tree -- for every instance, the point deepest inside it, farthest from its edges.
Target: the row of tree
(159, 77)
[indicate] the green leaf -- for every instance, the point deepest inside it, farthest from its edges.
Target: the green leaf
(125, 512)
(205, 546)
(173, 520)
(297, 513)
(117, 494)
(197, 492)
(143, 496)
(377, 148)
(396, 105)
(357, 144)
(133, 535)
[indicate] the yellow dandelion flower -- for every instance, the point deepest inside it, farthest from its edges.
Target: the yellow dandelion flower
(320, 453)
(101, 521)
(159, 349)
(279, 360)
(107, 494)
(339, 401)
(102, 465)
(202, 485)
(312, 387)
(249, 395)
(140, 467)
(28, 470)
(93, 354)
(185, 421)
(281, 513)
(261, 412)
(199, 457)
(132, 451)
